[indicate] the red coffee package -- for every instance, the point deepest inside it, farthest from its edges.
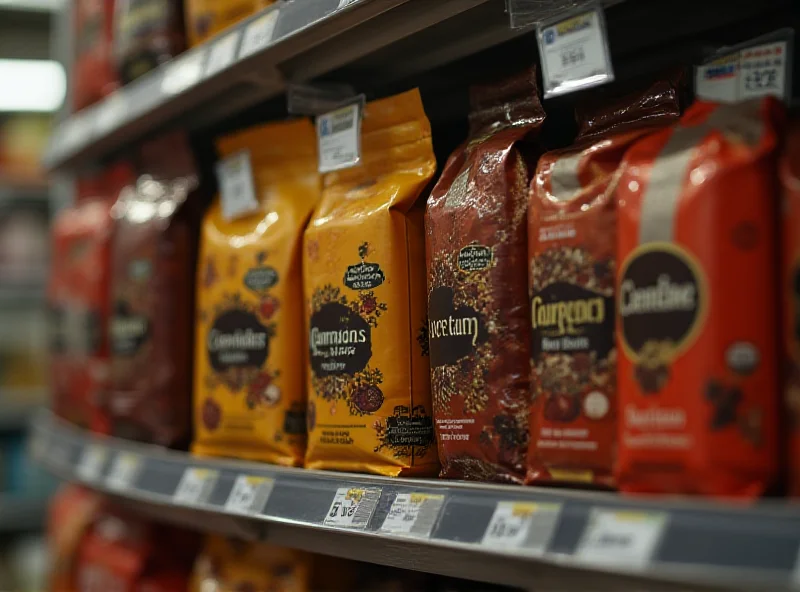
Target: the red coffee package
(697, 321)
(572, 224)
(478, 330)
(93, 72)
(153, 261)
(790, 295)
(78, 296)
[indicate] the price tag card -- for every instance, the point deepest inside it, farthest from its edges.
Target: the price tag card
(195, 486)
(258, 34)
(625, 539)
(718, 80)
(352, 507)
(574, 53)
(93, 459)
(413, 514)
(249, 495)
(182, 73)
(111, 113)
(124, 471)
(236, 186)
(339, 137)
(222, 53)
(522, 525)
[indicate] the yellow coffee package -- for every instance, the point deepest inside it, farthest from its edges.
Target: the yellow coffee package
(369, 407)
(249, 389)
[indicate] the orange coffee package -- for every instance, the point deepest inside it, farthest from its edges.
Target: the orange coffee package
(790, 295)
(572, 223)
(206, 18)
(479, 330)
(249, 391)
(364, 269)
(697, 321)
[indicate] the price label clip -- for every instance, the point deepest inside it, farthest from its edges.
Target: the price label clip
(92, 462)
(124, 471)
(339, 137)
(527, 526)
(258, 33)
(249, 495)
(352, 507)
(195, 486)
(413, 514)
(624, 538)
(236, 185)
(574, 51)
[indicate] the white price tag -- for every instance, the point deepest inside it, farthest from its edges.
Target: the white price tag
(762, 71)
(182, 73)
(339, 137)
(77, 131)
(222, 53)
(111, 113)
(413, 514)
(92, 462)
(124, 471)
(195, 486)
(755, 72)
(622, 538)
(249, 495)
(574, 53)
(352, 507)
(258, 34)
(522, 525)
(236, 186)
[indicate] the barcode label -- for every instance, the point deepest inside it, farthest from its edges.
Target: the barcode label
(528, 526)
(249, 495)
(258, 34)
(339, 137)
(183, 73)
(92, 462)
(413, 514)
(195, 486)
(124, 471)
(352, 507)
(621, 538)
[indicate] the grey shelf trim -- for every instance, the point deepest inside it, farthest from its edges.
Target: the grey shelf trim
(310, 38)
(702, 544)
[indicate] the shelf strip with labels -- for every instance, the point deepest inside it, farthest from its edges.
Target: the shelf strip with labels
(513, 531)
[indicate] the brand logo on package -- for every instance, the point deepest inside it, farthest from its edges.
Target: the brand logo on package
(569, 318)
(128, 331)
(340, 340)
(259, 279)
(661, 300)
(237, 339)
(454, 331)
(364, 276)
(474, 257)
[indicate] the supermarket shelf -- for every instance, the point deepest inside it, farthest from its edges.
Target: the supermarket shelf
(18, 514)
(46, 6)
(310, 38)
(576, 539)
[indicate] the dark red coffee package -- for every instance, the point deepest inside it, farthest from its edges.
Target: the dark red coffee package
(572, 224)
(790, 296)
(78, 298)
(93, 73)
(479, 329)
(153, 261)
(147, 33)
(696, 313)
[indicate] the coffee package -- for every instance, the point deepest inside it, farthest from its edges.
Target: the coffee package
(364, 269)
(572, 224)
(696, 316)
(249, 397)
(152, 278)
(790, 296)
(479, 329)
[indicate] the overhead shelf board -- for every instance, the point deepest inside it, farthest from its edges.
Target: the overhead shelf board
(550, 538)
(249, 63)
